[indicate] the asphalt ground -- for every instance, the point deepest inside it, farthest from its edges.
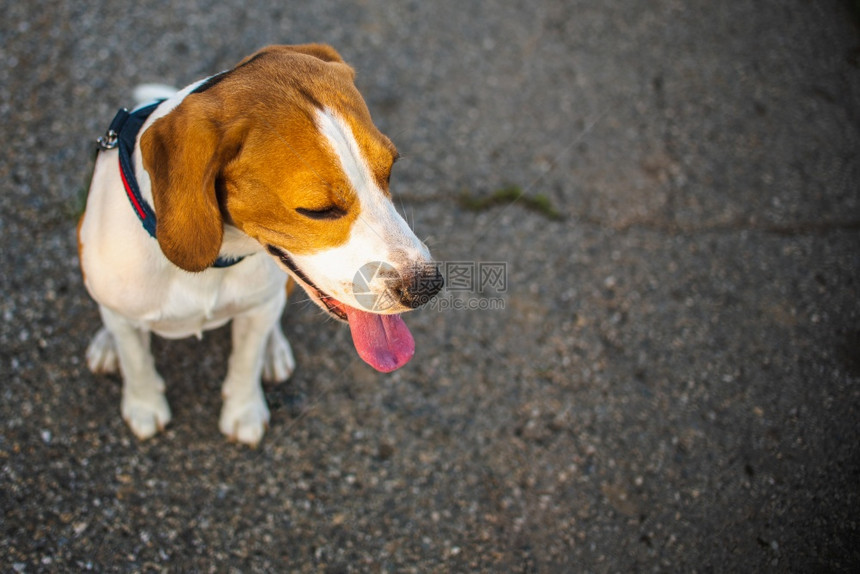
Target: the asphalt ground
(657, 369)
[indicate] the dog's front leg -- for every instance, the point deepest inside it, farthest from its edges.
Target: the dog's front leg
(244, 416)
(144, 406)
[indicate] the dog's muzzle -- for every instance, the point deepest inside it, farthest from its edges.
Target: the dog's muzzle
(419, 286)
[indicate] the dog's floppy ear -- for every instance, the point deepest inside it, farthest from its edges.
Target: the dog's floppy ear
(183, 154)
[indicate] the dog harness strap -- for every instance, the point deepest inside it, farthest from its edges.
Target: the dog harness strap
(122, 135)
(127, 125)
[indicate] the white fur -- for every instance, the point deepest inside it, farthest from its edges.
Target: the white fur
(146, 93)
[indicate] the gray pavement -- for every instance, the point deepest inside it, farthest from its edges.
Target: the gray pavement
(671, 383)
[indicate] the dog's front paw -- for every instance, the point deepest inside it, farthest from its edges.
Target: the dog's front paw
(145, 415)
(101, 353)
(278, 361)
(244, 421)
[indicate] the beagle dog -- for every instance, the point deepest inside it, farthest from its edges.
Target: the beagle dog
(202, 204)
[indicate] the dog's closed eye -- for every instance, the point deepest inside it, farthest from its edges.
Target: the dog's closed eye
(332, 212)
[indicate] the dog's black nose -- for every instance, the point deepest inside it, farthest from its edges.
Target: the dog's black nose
(420, 286)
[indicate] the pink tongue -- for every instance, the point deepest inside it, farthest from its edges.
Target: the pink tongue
(383, 341)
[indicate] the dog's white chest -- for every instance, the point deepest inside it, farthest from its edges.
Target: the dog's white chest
(191, 308)
(199, 302)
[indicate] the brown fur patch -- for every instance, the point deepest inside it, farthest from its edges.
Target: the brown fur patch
(183, 152)
(247, 150)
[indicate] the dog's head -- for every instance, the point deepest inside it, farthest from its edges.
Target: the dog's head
(283, 148)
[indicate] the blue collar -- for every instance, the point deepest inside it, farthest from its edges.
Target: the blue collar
(122, 135)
